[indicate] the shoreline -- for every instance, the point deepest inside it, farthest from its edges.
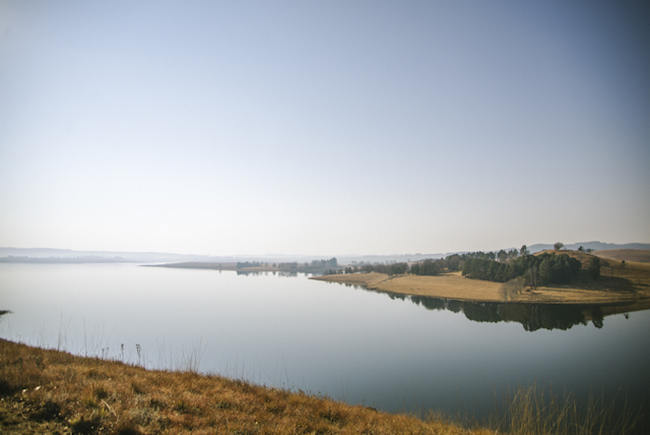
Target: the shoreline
(456, 287)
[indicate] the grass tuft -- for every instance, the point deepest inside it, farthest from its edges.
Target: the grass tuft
(84, 426)
(128, 428)
(535, 411)
(101, 393)
(49, 411)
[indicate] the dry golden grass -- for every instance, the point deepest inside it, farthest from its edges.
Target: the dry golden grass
(620, 283)
(533, 411)
(46, 391)
(448, 285)
(454, 286)
(638, 255)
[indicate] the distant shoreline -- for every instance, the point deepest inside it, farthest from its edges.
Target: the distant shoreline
(62, 260)
(316, 266)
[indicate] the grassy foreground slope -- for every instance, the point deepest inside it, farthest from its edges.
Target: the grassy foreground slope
(47, 391)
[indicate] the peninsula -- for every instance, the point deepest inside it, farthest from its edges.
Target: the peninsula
(618, 281)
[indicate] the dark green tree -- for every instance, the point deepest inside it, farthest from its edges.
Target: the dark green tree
(523, 250)
(545, 271)
(593, 268)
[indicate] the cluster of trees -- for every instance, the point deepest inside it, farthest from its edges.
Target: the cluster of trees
(498, 266)
(593, 268)
(451, 263)
(332, 262)
(482, 268)
(536, 270)
(428, 267)
(390, 269)
(243, 264)
(557, 269)
(329, 265)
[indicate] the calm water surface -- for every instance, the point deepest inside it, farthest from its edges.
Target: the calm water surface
(362, 347)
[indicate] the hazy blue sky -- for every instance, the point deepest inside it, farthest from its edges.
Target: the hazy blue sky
(326, 127)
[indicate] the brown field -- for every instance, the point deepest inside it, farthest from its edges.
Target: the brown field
(46, 391)
(638, 255)
(449, 285)
(619, 283)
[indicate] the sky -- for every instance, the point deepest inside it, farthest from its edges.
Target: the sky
(333, 127)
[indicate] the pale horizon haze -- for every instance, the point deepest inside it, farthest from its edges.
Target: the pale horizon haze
(303, 127)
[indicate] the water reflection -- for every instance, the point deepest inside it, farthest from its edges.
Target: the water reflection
(268, 272)
(531, 316)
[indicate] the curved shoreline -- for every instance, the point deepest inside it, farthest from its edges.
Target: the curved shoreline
(454, 286)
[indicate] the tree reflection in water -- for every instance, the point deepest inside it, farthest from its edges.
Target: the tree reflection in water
(531, 316)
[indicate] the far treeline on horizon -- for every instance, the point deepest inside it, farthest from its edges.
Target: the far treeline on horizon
(54, 255)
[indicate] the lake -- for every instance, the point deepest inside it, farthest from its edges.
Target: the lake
(358, 346)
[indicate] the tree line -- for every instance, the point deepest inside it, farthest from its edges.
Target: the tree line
(535, 269)
(498, 266)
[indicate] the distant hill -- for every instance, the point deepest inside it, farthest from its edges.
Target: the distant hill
(50, 255)
(595, 245)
